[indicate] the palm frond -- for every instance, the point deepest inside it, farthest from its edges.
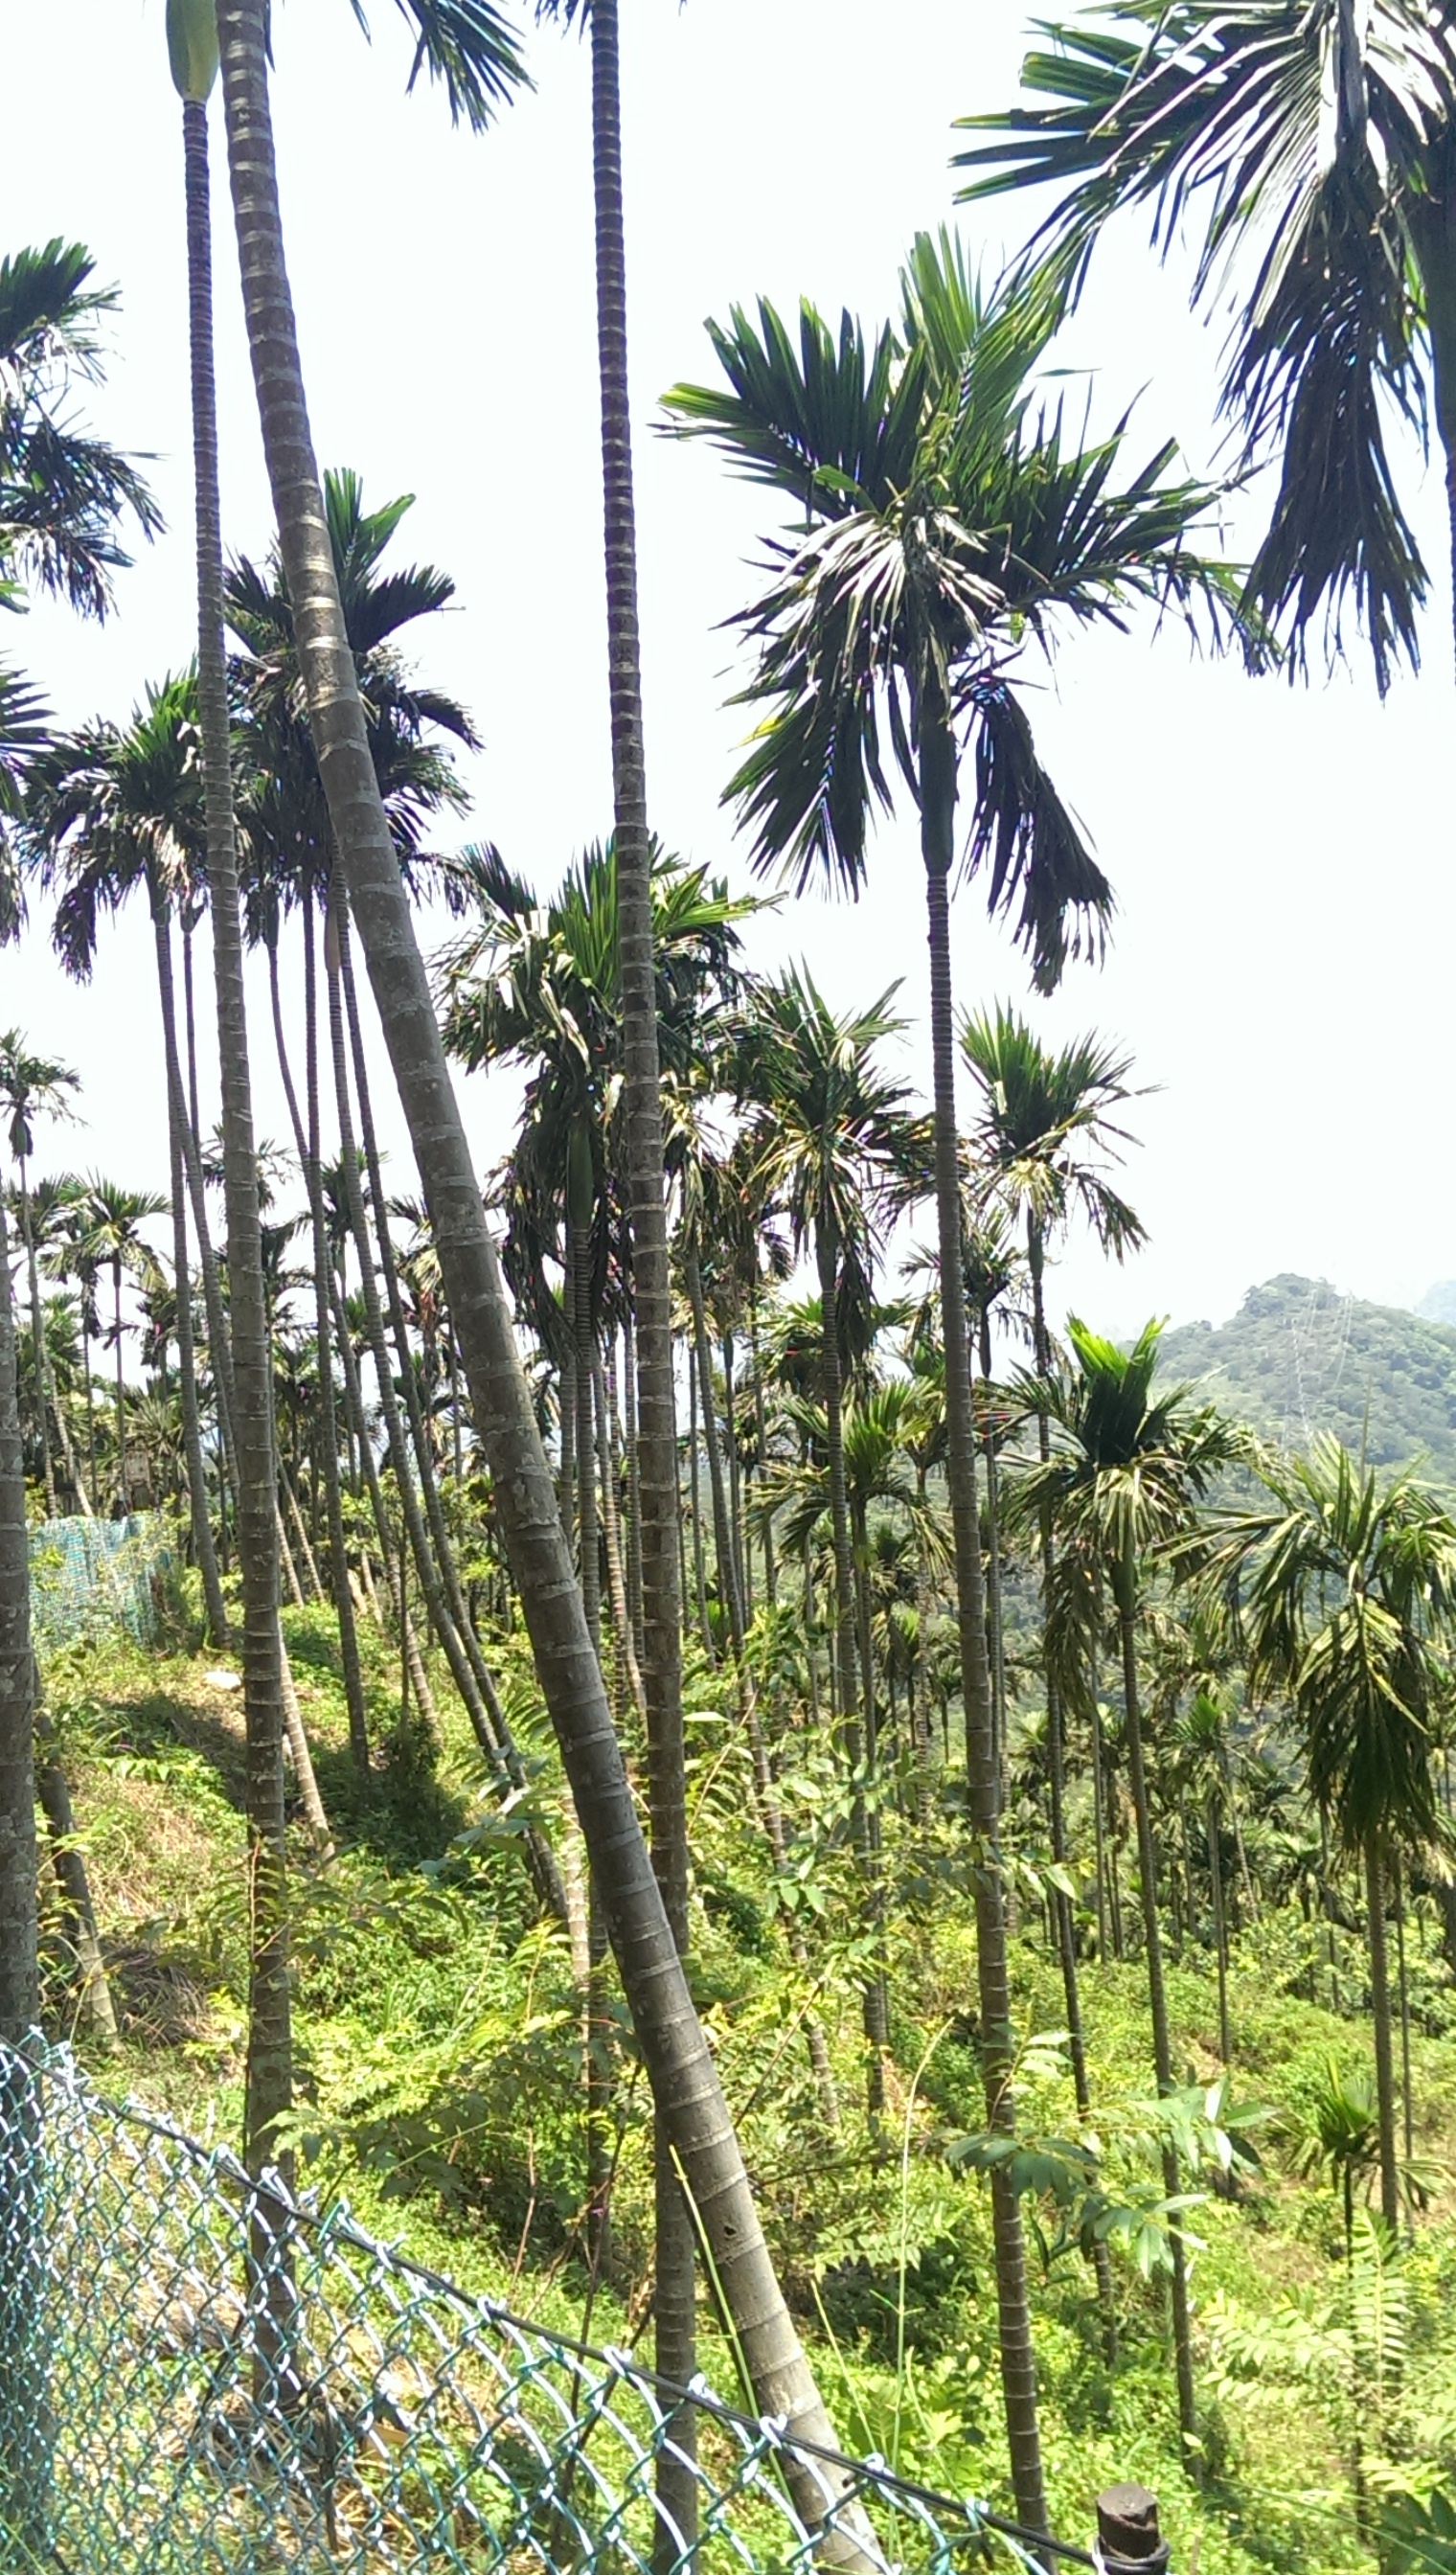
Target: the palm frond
(470, 48)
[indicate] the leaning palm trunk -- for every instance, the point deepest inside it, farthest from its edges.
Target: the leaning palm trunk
(1156, 1990)
(1019, 2368)
(651, 1318)
(685, 2081)
(269, 2042)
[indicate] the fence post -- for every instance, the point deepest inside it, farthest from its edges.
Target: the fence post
(1128, 2539)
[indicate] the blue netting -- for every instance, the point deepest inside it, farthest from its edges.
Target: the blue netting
(93, 1578)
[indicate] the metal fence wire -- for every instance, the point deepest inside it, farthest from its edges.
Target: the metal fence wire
(91, 1579)
(199, 2375)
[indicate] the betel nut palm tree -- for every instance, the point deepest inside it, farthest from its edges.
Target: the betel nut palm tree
(1041, 1138)
(829, 1134)
(1309, 149)
(113, 809)
(1126, 1465)
(65, 493)
(685, 2083)
(937, 524)
(193, 52)
(1344, 1589)
(114, 1220)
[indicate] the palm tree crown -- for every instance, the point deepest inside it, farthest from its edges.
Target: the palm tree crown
(945, 522)
(1318, 143)
(1043, 1133)
(1345, 1591)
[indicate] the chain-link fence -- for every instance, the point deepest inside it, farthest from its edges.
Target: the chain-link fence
(92, 1579)
(199, 2375)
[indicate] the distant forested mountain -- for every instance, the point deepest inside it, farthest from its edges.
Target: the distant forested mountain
(1299, 1357)
(1439, 1302)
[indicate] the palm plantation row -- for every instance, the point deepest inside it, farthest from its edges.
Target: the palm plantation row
(706, 1214)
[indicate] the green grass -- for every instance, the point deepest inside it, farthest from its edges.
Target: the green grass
(438, 2059)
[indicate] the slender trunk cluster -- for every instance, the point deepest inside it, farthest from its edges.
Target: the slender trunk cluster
(685, 2083)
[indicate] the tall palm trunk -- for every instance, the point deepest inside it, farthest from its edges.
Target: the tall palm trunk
(851, 1653)
(306, 1145)
(87, 1291)
(23, 2413)
(1220, 1927)
(695, 1502)
(1380, 2016)
(651, 1293)
(1066, 1939)
(626, 1642)
(123, 1486)
(40, 1355)
(270, 2039)
(632, 1466)
(1156, 1990)
(1407, 2097)
(202, 1537)
(680, 2065)
(19, 1969)
(1019, 2368)
(996, 1620)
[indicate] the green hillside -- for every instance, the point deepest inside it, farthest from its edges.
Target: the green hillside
(1299, 1357)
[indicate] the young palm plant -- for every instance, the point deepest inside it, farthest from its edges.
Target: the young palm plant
(1345, 1594)
(1317, 143)
(942, 524)
(1126, 1466)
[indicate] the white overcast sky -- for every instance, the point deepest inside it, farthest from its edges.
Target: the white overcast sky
(1283, 949)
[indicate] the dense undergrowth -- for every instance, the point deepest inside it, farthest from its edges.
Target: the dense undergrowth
(441, 2086)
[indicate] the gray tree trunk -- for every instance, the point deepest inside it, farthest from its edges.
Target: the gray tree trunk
(269, 2084)
(1018, 2366)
